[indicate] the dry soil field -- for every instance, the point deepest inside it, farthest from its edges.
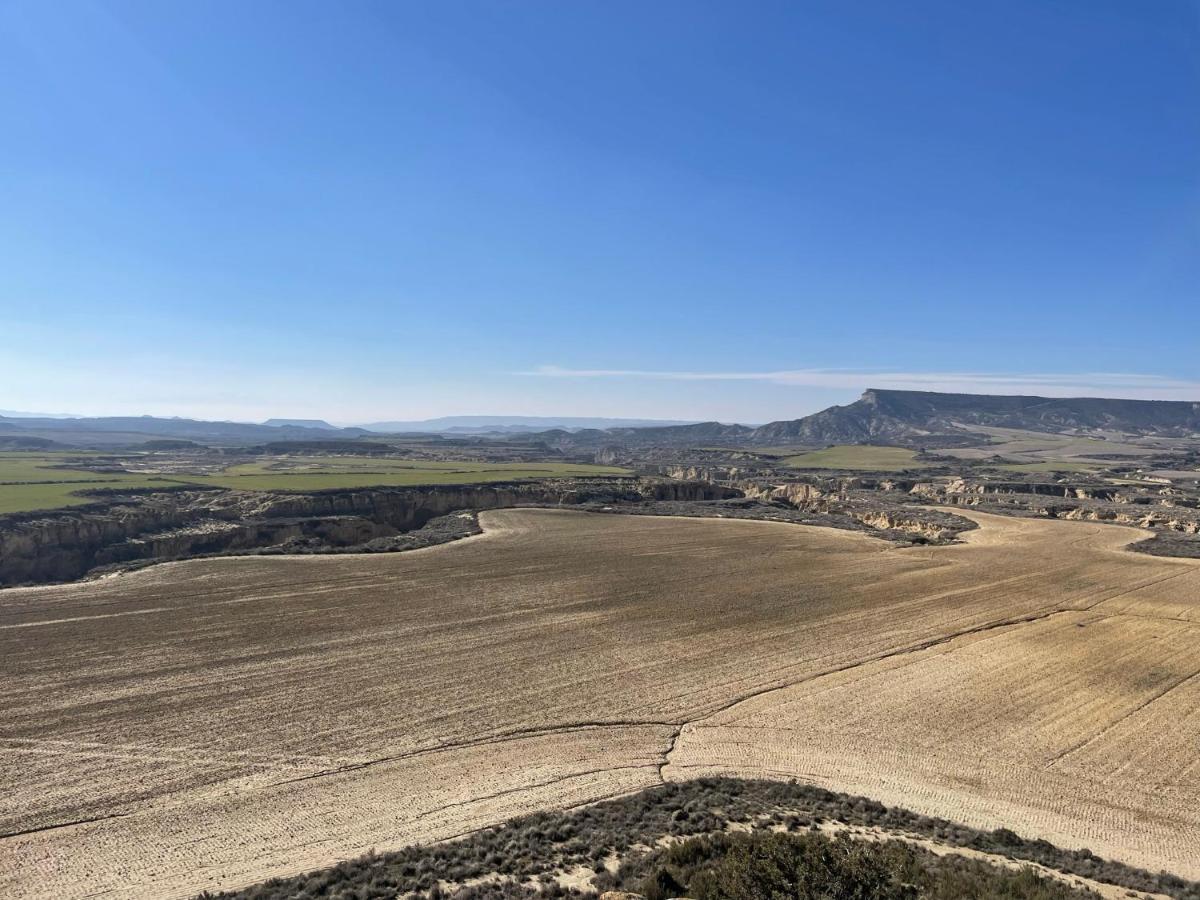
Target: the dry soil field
(206, 724)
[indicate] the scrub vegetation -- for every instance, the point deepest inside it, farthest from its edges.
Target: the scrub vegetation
(727, 839)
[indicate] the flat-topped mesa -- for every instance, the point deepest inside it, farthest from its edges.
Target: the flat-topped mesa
(905, 416)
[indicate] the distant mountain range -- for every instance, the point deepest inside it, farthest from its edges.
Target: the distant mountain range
(513, 424)
(125, 430)
(696, 434)
(878, 416)
(911, 417)
(17, 414)
(301, 423)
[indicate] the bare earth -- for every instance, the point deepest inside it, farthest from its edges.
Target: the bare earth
(204, 725)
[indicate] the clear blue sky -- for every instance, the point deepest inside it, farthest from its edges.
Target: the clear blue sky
(731, 210)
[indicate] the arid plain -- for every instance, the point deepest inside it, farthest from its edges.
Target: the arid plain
(206, 724)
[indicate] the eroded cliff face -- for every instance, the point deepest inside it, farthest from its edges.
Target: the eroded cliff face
(852, 498)
(915, 523)
(1165, 510)
(840, 501)
(794, 493)
(1138, 519)
(65, 545)
(955, 487)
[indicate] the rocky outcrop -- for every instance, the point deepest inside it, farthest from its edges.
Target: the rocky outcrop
(909, 523)
(886, 505)
(958, 487)
(843, 499)
(609, 456)
(794, 493)
(172, 525)
(702, 473)
(1136, 518)
(1086, 503)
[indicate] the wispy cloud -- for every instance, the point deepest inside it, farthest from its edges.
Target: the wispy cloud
(1090, 384)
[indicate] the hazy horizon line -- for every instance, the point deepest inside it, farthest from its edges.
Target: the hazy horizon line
(1100, 385)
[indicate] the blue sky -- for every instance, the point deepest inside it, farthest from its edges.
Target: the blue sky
(743, 211)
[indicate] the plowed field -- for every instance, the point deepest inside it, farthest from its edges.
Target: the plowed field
(211, 723)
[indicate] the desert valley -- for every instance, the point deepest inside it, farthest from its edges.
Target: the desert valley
(939, 636)
(599, 450)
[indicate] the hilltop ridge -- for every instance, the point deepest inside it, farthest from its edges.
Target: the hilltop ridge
(889, 415)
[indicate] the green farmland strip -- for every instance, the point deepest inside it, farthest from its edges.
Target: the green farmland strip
(30, 482)
(857, 456)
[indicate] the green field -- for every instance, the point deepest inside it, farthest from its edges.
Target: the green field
(329, 472)
(47, 496)
(857, 456)
(31, 481)
(315, 465)
(22, 468)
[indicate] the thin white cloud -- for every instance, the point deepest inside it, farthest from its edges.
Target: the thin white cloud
(1084, 384)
